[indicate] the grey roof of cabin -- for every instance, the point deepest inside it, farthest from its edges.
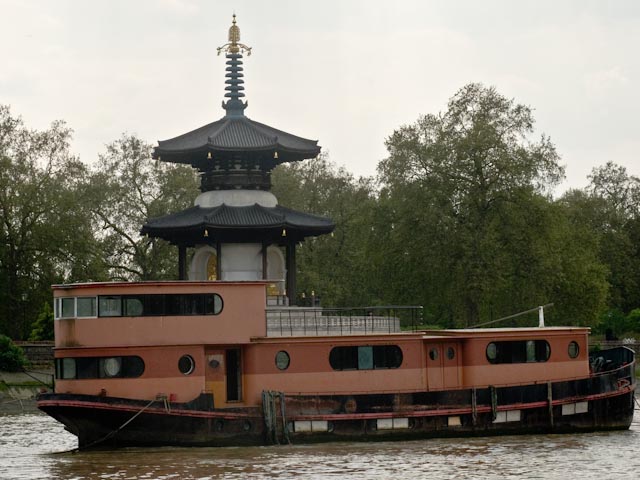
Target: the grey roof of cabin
(224, 217)
(235, 134)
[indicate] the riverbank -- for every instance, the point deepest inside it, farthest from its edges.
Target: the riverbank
(18, 390)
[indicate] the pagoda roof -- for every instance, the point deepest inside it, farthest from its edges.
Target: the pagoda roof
(246, 223)
(235, 134)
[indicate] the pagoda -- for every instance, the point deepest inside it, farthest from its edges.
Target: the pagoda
(236, 229)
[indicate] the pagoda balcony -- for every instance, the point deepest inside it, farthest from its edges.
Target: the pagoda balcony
(312, 321)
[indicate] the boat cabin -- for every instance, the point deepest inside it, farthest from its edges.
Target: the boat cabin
(182, 339)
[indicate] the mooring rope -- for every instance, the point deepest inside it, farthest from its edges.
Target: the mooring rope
(112, 433)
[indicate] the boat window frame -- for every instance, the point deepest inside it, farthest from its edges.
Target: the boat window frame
(506, 352)
(356, 357)
(92, 368)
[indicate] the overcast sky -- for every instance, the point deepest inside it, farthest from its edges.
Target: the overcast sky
(344, 72)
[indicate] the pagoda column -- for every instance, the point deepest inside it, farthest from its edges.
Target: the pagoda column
(291, 272)
(182, 262)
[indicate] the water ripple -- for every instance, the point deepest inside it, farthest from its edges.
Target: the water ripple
(29, 442)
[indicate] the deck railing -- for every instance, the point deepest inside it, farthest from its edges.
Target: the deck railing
(301, 321)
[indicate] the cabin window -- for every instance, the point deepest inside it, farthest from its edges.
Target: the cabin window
(282, 360)
(521, 351)
(451, 353)
(433, 354)
(66, 368)
(99, 367)
(574, 349)
(160, 305)
(109, 306)
(365, 357)
(68, 307)
(186, 364)
(86, 306)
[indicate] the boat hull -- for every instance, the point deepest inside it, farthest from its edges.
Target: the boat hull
(598, 403)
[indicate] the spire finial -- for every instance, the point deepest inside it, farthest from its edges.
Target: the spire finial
(234, 50)
(234, 45)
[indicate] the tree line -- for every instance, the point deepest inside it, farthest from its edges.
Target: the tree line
(461, 219)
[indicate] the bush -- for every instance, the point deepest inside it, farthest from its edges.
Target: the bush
(43, 326)
(12, 357)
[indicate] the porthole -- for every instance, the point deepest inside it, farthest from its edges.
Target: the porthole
(574, 349)
(186, 365)
(492, 352)
(433, 354)
(451, 353)
(282, 360)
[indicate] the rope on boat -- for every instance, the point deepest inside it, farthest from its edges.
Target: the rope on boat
(28, 373)
(112, 433)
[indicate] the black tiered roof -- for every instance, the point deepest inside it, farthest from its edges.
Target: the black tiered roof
(235, 134)
(249, 223)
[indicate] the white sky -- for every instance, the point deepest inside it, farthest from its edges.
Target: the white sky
(344, 72)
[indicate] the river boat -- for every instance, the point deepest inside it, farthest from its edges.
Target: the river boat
(227, 355)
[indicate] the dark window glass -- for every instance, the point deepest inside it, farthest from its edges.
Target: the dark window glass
(87, 367)
(433, 354)
(365, 357)
(87, 306)
(574, 350)
(451, 353)
(186, 364)
(109, 306)
(169, 304)
(133, 306)
(387, 356)
(99, 367)
(154, 304)
(522, 351)
(344, 358)
(212, 304)
(68, 307)
(282, 360)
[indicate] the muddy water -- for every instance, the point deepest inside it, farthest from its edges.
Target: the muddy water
(30, 445)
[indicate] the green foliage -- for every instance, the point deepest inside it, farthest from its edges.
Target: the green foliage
(12, 357)
(43, 326)
(45, 235)
(473, 233)
(333, 266)
(125, 190)
(633, 321)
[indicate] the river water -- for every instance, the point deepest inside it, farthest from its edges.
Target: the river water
(34, 446)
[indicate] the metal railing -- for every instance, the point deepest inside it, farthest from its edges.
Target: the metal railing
(301, 321)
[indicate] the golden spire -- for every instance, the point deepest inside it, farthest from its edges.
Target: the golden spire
(234, 45)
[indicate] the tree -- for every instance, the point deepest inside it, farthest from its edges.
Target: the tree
(475, 231)
(336, 266)
(125, 190)
(12, 357)
(43, 326)
(44, 237)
